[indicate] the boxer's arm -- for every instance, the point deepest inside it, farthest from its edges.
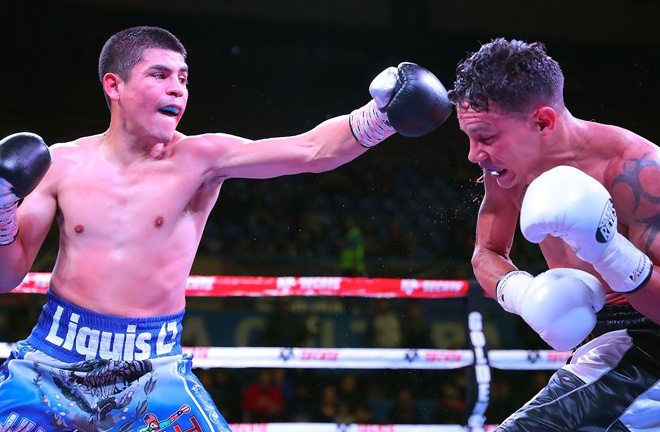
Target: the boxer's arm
(496, 225)
(559, 304)
(624, 257)
(408, 99)
(35, 218)
(646, 300)
(325, 147)
(643, 232)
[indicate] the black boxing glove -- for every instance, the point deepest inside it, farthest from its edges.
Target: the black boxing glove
(24, 161)
(409, 100)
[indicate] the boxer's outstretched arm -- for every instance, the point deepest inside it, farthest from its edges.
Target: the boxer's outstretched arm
(408, 99)
(325, 147)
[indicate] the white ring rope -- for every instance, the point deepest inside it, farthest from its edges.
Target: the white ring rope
(362, 358)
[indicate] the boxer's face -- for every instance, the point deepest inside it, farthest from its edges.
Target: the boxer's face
(154, 99)
(504, 145)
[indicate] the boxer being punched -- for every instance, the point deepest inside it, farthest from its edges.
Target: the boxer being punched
(587, 193)
(131, 204)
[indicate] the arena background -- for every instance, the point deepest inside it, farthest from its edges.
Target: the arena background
(266, 68)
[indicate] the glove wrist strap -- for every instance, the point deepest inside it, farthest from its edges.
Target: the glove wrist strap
(8, 224)
(510, 288)
(369, 125)
(624, 267)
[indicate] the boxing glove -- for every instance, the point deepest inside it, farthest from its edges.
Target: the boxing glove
(567, 203)
(24, 160)
(559, 304)
(408, 99)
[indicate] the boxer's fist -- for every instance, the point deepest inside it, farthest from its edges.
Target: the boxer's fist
(24, 160)
(415, 100)
(408, 99)
(559, 304)
(567, 203)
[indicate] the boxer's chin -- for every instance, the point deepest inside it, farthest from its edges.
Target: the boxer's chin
(504, 178)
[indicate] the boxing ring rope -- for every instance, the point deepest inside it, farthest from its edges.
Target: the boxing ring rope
(478, 357)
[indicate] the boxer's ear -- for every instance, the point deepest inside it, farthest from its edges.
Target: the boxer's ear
(111, 85)
(546, 119)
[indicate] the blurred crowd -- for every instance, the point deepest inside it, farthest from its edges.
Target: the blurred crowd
(360, 396)
(363, 396)
(355, 214)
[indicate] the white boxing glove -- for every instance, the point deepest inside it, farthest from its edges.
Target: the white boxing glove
(559, 304)
(567, 203)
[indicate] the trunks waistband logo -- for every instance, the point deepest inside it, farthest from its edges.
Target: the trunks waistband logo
(93, 343)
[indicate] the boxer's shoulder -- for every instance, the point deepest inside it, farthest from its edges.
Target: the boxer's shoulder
(616, 141)
(76, 148)
(204, 144)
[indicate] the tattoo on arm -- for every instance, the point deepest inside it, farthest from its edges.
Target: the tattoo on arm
(632, 169)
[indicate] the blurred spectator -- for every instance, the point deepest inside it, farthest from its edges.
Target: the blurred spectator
(212, 242)
(416, 331)
(345, 415)
(384, 328)
(451, 406)
(304, 245)
(364, 415)
(398, 243)
(314, 221)
(283, 327)
(350, 393)
(263, 401)
(404, 410)
(401, 218)
(285, 384)
(281, 243)
(225, 391)
(373, 239)
(352, 250)
(327, 408)
(500, 404)
(19, 319)
(303, 404)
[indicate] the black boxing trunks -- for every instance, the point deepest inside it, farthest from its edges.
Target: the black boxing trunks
(611, 383)
(83, 371)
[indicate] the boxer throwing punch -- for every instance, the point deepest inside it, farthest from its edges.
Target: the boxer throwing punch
(587, 193)
(131, 204)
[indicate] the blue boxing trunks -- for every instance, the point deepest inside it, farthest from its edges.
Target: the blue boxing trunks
(83, 371)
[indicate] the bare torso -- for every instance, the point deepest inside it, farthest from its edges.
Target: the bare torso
(131, 214)
(608, 157)
(127, 246)
(132, 203)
